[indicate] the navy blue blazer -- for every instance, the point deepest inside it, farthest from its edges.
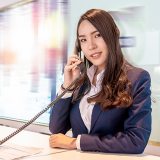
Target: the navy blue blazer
(124, 130)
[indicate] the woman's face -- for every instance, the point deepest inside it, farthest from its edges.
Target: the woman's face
(92, 44)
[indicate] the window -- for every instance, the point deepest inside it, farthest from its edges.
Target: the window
(33, 53)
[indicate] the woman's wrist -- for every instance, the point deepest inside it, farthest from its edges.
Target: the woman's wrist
(73, 143)
(63, 88)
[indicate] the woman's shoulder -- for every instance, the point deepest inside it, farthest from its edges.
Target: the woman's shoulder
(137, 74)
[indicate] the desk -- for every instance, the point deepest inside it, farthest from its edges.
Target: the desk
(31, 139)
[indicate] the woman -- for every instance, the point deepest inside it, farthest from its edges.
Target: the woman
(109, 110)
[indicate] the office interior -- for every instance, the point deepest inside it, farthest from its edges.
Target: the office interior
(33, 54)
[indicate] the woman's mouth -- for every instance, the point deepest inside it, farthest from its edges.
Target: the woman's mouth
(96, 55)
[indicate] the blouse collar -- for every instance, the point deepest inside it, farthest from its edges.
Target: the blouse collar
(91, 72)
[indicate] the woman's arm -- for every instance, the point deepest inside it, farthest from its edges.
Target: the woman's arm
(59, 117)
(137, 127)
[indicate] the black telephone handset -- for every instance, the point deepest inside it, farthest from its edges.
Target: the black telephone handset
(82, 68)
(77, 49)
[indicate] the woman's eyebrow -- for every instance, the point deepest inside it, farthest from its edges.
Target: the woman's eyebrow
(91, 33)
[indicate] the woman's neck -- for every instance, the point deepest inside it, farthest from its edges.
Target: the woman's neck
(99, 70)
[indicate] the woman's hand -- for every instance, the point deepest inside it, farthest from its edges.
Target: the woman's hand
(70, 72)
(62, 141)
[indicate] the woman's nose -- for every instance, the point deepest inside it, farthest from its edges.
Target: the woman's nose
(92, 45)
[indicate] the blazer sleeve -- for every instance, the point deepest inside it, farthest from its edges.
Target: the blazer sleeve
(59, 117)
(137, 127)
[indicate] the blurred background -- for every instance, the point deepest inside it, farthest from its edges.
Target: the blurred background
(37, 37)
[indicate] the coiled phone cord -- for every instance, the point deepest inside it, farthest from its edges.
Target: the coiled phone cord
(82, 69)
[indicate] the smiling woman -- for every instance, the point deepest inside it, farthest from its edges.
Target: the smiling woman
(110, 107)
(90, 39)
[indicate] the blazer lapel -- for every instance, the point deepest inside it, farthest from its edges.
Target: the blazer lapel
(78, 116)
(95, 115)
(80, 121)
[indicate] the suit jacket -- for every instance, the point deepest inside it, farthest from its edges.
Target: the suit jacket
(124, 130)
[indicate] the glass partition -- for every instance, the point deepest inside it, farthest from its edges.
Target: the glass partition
(33, 53)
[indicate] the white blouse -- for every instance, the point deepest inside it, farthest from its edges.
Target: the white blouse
(85, 107)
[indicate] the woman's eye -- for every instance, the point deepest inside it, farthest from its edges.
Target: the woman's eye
(82, 40)
(98, 35)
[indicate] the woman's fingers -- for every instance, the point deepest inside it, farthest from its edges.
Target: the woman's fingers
(53, 145)
(69, 67)
(62, 141)
(52, 141)
(74, 56)
(72, 60)
(70, 71)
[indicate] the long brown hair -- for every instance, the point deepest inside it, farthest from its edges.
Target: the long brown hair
(116, 87)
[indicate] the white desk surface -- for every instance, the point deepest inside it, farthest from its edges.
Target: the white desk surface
(31, 139)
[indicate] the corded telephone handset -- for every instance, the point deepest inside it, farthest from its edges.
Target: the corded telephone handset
(82, 68)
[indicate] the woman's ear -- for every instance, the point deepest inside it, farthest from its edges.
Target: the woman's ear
(118, 31)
